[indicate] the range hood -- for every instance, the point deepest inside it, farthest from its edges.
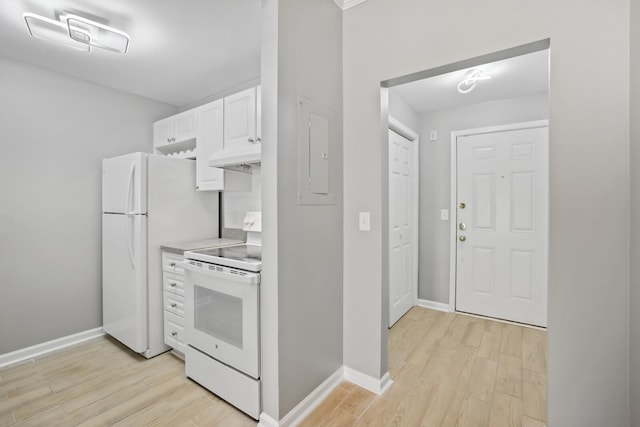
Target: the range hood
(237, 158)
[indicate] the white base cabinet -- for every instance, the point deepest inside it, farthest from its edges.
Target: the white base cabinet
(173, 296)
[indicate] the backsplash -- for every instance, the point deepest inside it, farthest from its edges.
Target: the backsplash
(235, 204)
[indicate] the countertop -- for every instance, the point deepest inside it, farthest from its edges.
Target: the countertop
(181, 247)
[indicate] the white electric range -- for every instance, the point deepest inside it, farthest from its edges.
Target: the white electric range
(222, 318)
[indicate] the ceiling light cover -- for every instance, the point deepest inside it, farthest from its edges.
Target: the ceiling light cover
(471, 80)
(100, 35)
(54, 32)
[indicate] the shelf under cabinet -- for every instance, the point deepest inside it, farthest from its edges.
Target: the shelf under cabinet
(181, 150)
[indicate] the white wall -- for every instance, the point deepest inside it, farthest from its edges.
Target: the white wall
(302, 245)
(56, 130)
(435, 178)
(589, 176)
(634, 299)
(402, 112)
(235, 204)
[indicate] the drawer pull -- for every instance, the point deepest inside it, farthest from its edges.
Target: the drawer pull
(173, 285)
(172, 264)
(174, 333)
(174, 305)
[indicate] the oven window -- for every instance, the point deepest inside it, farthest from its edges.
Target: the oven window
(218, 315)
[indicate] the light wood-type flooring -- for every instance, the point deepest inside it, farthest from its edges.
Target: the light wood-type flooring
(448, 370)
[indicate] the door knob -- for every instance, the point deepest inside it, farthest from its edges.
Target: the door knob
(462, 226)
(462, 205)
(462, 238)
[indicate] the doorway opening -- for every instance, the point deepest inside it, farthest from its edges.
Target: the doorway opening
(481, 129)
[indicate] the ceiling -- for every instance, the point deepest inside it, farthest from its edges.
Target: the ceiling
(518, 76)
(181, 51)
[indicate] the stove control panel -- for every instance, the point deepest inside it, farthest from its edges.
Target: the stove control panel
(253, 221)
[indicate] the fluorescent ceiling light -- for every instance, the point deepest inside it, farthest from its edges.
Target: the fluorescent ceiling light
(471, 80)
(54, 32)
(77, 32)
(100, 35)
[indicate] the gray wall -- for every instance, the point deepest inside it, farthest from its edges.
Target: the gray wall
(435, 178)
(56, 130)
(308, 276)
(634, 299)
(401, 111)
(589, 201)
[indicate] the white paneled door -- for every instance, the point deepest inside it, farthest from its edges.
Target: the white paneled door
(502, 225)
(402, 268)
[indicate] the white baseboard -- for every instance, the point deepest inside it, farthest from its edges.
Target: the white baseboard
(440, 306)
(48, 347)
(377, 386)
(308, 404)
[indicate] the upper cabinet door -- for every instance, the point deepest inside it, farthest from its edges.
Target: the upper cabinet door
(184, 126)
(209, 141)
(240, 118)
(162, 132)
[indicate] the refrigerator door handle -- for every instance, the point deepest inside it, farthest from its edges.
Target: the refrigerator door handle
(130, 218)
(130, 187)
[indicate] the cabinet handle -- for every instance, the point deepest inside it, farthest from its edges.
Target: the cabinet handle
(172, 264)
(174, 305)
(173, 140)
(173, 285)
(258, 139)
(251, 140)
(174, 333)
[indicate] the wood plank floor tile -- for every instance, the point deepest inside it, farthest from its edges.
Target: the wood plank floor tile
(509, 375)
(534, 394)
(7, 418)
(339, 418)
(506, 411)
(532, 422)
(490, 345)
(483, 378)
(474, 413)
(533, 356)
(43, 418)
(445, 407)
(357, 401)
(512, 340)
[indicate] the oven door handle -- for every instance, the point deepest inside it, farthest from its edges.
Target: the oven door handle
(245, 277)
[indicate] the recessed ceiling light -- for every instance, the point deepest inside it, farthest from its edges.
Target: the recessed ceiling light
(471, 80)
(51, 31)
(77, 32)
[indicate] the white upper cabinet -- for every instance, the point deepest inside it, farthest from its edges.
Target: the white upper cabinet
(210, 134)
(240, 118)
(202, 131)
(176, 135)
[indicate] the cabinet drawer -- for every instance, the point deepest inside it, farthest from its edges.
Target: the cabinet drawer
(172, 263)
(174, 303)
(173, 283)
(174, 332)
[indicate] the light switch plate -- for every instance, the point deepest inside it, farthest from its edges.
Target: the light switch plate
(365, 221)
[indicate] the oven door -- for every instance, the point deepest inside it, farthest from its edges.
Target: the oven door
(222, 314)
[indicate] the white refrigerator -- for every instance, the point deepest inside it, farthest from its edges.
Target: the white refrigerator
(147, 200)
